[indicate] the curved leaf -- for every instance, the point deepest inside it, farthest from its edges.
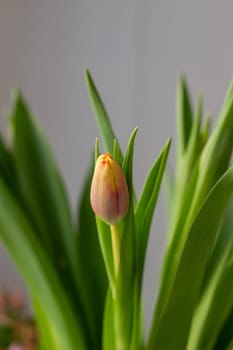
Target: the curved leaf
(185, 288)
(146, 205)
(216, 300)
(46, 202)
(102, 119)
(184, 116)
(21, 242)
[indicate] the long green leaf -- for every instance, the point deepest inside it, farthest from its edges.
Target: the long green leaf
(225, 338)
(184, 117)
(184, 171)
(183, 192)
(216, 301)
(102, 119)
(7, 168)
(170, 259)
(146, 205)
(109, 336)
(189, 195)
(137, 336)
(228, 96)
(46, 339)
(46, 203)
(40, 276)
(213, 309)
(168, 184)
(216, 155)
(40, 183)
(205, 132)
(106, 248)
(177, 311)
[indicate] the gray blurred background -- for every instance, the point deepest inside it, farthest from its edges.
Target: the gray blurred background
(135, 51)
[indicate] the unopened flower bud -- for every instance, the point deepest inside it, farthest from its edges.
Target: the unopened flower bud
(109, 190)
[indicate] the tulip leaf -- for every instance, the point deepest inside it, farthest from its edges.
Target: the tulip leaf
(216, 301)
(190, 271)
(228, 96)
(117, 152)
(102, 119)
(191, 191)
(205, 132)
(45, 202)
(97, 150)
(137, 341)
(193, 147)
(41, 278)
(184, 117)
(46, 339)
(216, 155)
(146, 206)
(7, 168)
(183, 192)
(106, 249)
(225, 338)
(168, 186)
(184, 172)
(109, 340)
(40, 183)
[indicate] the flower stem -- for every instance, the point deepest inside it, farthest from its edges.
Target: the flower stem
(116, 243)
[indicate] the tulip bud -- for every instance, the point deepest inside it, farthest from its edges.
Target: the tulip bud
(109, 190)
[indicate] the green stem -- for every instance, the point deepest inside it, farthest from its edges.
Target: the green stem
(116, 243)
